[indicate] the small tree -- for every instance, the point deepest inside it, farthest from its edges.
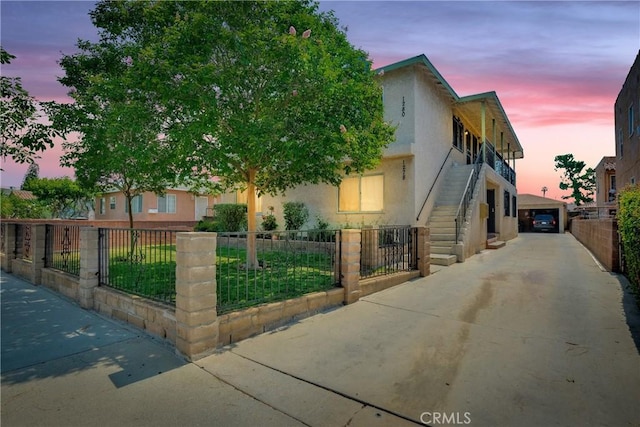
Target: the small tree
(63, 196)
(121, 144)
(581, 184)
(295, 215)
(32, 173)
(23, 135)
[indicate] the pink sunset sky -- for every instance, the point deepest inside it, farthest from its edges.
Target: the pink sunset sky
(557, 67)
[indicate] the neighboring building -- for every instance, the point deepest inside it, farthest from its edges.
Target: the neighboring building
(422, 177)
(20, 194)
(530, 205)
(606, 190)
(178, 204)
(627, 128)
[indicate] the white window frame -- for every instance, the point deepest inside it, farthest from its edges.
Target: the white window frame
(165, 205)
(631, 118)
(360, 198)
(112, 202)
(103, 203)
(136, 204)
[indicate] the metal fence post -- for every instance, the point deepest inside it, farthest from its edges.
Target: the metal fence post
(197, 326)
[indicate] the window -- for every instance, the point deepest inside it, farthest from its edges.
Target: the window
(514, 206)
(112, 202)
(241, 197)
(620, 143)
(507, 200)
(167, 204)
(361, 194)
(136, 205)
(631, 123)
(612, 188)
(103, 202)
(458, 133)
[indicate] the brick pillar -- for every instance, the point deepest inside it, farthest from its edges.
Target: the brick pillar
(196, 315)
(89, 279)
(8, 244)
(38, 232)
(350, 265)
(424, 251)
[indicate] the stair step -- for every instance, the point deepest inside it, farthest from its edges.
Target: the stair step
(441, 250)
(441, 259)
(441, 228)
(442, 237)
(496, 245)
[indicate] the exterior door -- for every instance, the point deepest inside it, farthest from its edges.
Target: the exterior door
(491, 220)
(202, 203)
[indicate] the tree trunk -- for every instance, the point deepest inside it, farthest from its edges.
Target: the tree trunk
(252, 255)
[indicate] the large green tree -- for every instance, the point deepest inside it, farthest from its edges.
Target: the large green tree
(113, 131)
(266, 95)
(62, 196)
(575, 178)
(22, 131)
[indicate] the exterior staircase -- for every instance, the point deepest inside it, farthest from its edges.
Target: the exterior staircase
(442, 223)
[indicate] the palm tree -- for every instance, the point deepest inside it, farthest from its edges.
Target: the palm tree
(544, 190)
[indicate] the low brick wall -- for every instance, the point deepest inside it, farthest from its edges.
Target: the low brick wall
(238, 325)
(380, 283)
(60, 282)
(157, 319)
(600, 236)
(22, 269)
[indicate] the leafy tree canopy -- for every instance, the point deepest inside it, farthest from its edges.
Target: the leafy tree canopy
(581, 184)
(266, 95)
(62, 196)
(23, 134)
(113, 131)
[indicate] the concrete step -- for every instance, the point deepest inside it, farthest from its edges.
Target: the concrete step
(441, 228)
(442, 250)
(442, 237)
(495, 245)
(446, 260)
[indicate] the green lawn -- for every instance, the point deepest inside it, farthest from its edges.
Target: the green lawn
(282, 275)
(151, 273)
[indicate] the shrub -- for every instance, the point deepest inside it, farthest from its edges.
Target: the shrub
(321, 233)
(210, 226)
(295, 215)
(629, 229)
(269, 222)
(231, 216)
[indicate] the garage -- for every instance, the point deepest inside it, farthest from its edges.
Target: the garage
(529, 206)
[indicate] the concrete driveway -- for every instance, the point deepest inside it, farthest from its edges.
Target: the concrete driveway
(533, 334)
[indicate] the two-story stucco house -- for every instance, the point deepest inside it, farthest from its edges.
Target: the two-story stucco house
(451, 167)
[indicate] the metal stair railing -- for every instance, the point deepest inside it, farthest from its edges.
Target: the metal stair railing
(433, 184)
(467, 196)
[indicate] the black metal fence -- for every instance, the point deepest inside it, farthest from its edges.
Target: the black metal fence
(388, 250)
(62, 248)
(140, 262)
(287, 264)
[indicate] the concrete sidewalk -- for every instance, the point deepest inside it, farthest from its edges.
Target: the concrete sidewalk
(65, 366)
(532, 334)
